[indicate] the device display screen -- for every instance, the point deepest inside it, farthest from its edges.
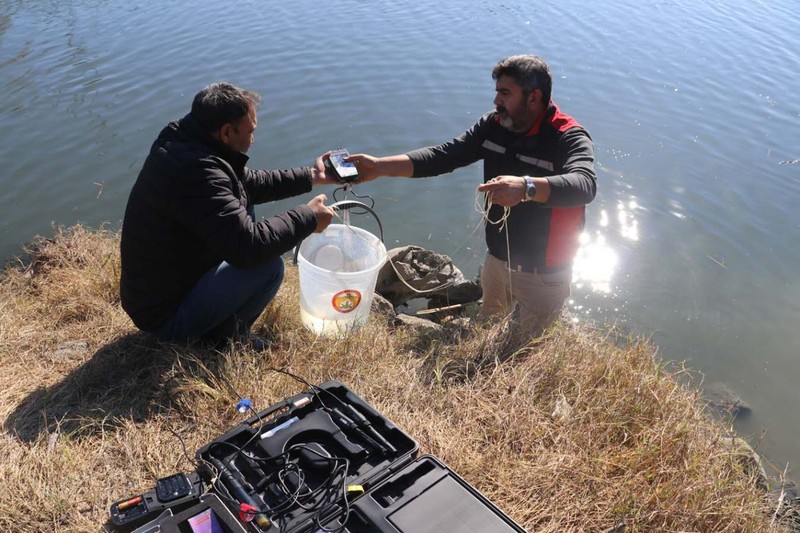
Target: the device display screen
(344, 170)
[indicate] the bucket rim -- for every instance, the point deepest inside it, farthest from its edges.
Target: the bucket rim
(383, 255)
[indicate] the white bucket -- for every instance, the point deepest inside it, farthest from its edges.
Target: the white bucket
(338, 271)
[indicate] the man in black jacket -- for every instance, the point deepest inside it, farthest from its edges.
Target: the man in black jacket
(538, 171)
(195, 261)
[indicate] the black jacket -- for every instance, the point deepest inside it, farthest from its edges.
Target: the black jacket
(541, 237)
(187, 212)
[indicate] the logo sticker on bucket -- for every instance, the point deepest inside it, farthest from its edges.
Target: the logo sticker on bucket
(346, 300)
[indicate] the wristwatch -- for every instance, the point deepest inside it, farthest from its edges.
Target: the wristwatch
(530, 189)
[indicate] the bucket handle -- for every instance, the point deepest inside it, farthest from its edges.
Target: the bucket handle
(347, 204)
(350, 204)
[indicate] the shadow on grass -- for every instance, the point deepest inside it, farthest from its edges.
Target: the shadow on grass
(123, 380)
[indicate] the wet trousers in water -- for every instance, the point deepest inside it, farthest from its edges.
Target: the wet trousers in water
(541, 296)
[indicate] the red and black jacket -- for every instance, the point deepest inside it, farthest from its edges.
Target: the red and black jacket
(541, 237)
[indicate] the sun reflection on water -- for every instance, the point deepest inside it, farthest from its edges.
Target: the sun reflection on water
(597, 260)
(628, 225)
(595, 263)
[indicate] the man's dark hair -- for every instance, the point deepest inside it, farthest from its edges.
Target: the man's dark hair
(530, 72)
(222, 103)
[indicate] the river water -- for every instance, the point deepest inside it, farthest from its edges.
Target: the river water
(692, 239)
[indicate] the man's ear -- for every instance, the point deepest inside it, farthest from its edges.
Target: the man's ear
(222, 134)
(534, 98)
(225, 133)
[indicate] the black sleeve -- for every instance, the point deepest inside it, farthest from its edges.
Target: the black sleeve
(209, 208)
(577, 184)
(446, 157)
(270, 185)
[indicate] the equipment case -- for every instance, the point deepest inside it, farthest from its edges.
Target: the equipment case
(294, 460)
(325, 460)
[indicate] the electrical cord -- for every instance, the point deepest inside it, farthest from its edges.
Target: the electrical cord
(327, 504)
(323, 499)
(366, 199)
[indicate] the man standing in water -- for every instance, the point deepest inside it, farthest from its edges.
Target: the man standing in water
(538, 176)
(195, 261)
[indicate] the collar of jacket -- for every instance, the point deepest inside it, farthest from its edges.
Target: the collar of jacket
(549, 112)
(189, 126)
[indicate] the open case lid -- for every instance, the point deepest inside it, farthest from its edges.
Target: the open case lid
(295, 460)
(425, 496)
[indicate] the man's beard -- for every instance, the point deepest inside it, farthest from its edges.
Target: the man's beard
(504, 119)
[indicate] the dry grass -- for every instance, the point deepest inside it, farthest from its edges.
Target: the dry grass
(568, 433)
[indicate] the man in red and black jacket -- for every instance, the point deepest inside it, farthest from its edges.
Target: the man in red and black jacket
(539, 167)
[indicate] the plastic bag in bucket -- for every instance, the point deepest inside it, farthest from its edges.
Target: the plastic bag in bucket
(338, 271)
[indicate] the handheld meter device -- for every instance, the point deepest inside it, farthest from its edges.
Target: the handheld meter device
(346, 172)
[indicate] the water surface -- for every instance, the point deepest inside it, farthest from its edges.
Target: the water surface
(692, 238)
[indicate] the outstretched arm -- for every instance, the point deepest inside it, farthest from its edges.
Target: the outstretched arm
(370, 168)
(423, 162)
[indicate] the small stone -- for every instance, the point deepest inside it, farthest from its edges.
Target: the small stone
(425, 326)
(563, 410)
(70, 351)
(52, 440)
(724, 402)
(382, 306)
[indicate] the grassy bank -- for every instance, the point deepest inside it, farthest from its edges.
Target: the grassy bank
(568, 433)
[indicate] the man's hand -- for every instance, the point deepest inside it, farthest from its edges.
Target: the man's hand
(320, 174)
(506, 191)
(322, 212)
(367, 165)
(370, 167)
